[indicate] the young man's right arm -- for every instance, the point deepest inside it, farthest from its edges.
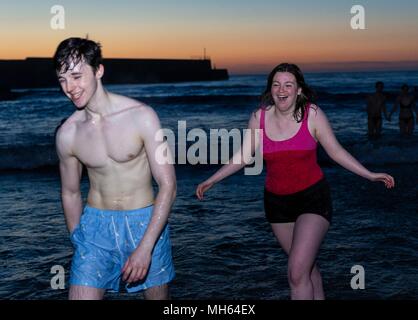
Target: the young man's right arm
(70, 172)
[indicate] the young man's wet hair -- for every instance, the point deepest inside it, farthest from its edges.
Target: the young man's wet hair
(74, 50)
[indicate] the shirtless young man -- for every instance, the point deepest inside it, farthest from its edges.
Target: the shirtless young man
(376, 104)
(122, 233)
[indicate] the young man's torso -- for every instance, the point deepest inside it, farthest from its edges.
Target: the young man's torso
(113, 150)
(376, 104)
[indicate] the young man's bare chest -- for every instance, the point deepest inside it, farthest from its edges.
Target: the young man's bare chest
(103, 143)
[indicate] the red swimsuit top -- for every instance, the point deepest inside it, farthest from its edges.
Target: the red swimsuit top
(291, 164)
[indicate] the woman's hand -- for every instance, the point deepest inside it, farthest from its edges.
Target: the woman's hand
(388, 180)
(202, 188)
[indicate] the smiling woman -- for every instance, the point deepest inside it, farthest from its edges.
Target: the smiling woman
(289, 82)
(297, 199)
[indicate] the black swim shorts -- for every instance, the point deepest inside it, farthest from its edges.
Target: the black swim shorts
(287, 208)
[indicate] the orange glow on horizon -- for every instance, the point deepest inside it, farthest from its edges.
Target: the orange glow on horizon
(239, 50)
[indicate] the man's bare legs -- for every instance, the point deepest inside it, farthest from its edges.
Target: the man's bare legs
(89, 293)
(85, 293)
(302, 246)
(374, 127)
(157, 293)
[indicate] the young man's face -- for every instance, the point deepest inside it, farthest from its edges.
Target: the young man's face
(79, 83)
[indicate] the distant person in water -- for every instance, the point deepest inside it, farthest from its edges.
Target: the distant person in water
(407, 104)
(376, 105)
(297, 199)
(122, 234)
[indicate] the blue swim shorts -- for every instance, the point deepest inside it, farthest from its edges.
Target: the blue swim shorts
(105, 239)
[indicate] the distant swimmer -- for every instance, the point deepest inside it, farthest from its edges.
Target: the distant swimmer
(297, 196)
(122, 234)
(376, 104)
(407, 104)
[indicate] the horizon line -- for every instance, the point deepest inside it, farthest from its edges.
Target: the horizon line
(308, 67)
(208, 58)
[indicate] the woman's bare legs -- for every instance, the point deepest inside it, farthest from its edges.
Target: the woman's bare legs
(301, 241)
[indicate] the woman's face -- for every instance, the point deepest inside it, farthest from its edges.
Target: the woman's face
(285, 90)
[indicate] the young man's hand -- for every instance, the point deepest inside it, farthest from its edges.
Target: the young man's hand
(137, 265)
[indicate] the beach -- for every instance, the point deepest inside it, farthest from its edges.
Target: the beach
(223, 247)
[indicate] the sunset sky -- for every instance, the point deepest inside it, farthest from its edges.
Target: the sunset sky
(241, 35)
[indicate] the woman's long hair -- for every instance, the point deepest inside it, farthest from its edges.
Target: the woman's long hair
(307, 95)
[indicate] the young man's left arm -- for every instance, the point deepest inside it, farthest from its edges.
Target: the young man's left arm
(136, 267)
